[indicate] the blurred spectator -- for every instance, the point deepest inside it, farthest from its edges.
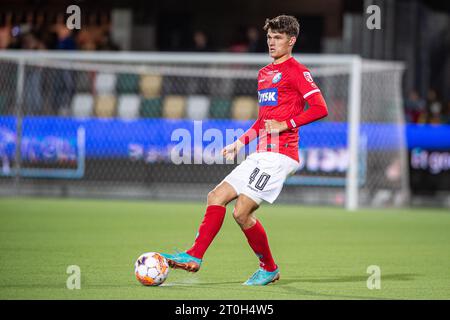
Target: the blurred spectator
(91, 36)
(414, 107)
(66, 40)
(255, 42)
(85, 39)
(239, 43)
(62, 81)
(5, 37)
(43, 32)
(434, 107)
(200, 42)
(106, 43)
(248, 40)
(95, 33)
(447, 114)
(33, 100)
(31, 42)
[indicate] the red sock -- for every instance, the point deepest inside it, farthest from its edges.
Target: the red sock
(257, 239)
(210, 226)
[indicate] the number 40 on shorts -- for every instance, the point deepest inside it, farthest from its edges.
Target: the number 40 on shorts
(262, 180)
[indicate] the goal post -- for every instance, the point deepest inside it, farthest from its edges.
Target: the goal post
(354, 157)
(354, 109)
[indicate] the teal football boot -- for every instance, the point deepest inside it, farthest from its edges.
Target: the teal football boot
(262, 277)
(182, 260)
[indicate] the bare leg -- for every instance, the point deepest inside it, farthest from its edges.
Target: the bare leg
(244, 212)
(212, 220)
(221, 195)
(254, 231)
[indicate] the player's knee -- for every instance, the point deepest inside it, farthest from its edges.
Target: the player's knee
(212, 195)
(240, 217)
(214, 198)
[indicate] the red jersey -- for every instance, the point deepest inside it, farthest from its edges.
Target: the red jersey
(283, 90)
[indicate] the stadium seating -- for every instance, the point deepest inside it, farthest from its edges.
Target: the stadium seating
(173, 85)
(151, 108)
(83, 81)
(220, 108)
(105, 106)
(197, 107)
(82, 105)
(128, 106)
(244, 108)
(127, 83)
(131, 96)
(174, 107)
(150, 86)
(105, 83)
(244, 87)
(2, 105)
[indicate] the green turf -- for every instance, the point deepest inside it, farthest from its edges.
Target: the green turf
(323, 253)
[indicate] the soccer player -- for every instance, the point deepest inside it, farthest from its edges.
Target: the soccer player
(284, 86)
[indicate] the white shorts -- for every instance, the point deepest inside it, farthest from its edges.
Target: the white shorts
(261, 176)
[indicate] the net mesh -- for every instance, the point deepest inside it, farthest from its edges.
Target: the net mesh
(90, 128)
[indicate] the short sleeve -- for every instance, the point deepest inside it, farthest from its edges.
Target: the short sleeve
(305, 84)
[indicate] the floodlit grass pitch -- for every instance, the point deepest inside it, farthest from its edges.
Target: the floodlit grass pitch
(323, 253)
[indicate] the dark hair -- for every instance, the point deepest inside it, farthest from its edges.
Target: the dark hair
(283, 24)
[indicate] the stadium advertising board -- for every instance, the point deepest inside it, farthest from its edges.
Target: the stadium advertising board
(56, 147)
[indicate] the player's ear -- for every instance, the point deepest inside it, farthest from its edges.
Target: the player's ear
(292, 41)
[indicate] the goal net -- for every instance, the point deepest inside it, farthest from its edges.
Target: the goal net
(152, 125)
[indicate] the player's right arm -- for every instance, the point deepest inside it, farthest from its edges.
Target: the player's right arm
(251, 134)
(231, 150)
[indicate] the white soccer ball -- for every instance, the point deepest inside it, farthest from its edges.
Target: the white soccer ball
(151, 269)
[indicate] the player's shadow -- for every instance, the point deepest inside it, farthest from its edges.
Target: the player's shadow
(291, 291)
(286, 281)
(212, 283)
(286, 288)
(393, 276)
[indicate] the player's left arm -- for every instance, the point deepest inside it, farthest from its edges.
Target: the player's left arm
(317, 106)
(317, 110)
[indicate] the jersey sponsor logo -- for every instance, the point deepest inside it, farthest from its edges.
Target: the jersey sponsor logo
(277, 78)
(308, 76)
(268, 97)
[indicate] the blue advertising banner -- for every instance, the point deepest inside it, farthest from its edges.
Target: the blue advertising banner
(63, 144)
(111, 138)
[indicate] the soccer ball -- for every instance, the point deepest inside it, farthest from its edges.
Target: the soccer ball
(151, 269)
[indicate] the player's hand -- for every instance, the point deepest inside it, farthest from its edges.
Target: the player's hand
(231, 150)
(275, 126)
